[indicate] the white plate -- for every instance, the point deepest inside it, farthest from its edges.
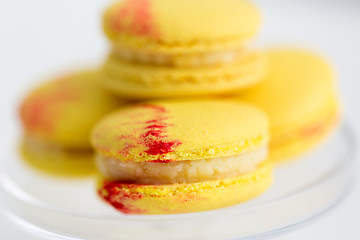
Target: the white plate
(70, 209)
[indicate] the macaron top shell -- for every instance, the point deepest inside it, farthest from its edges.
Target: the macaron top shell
(62, 112)
(299, 85)
(165, 131)
(181, 26)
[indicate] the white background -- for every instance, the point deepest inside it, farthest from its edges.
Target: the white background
(40, 38)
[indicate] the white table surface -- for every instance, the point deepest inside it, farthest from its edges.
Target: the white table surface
(40, 38)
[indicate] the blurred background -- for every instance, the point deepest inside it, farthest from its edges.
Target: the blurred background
(41, 38)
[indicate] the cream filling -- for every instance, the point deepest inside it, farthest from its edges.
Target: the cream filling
(180, 171)
(190, 60)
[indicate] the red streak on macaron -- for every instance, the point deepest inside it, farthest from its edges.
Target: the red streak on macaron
(134, 17)
(162, 161)
(41, 111)
(151, 133)
(155, 126)
(120, 196)
(155, 137)
(159, 147)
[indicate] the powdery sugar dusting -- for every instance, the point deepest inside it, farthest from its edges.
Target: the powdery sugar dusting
(121, 198)
(154, 136)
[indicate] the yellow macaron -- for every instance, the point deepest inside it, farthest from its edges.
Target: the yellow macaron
(57, 118)
(159, 150)
(181, 48)
(63, 111)
(181, 27)
(299, 96)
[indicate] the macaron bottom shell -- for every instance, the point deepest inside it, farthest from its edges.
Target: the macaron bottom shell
(57, 162)
(146, 81)
(132, 198)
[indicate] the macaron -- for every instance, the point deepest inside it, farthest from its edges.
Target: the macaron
(57, 162)
(59, 114)
(299, 96)
(160, 52)
(180, 28)
(175, 156)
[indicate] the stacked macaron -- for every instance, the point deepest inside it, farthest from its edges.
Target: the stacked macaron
(188, 154)
(164, 48)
